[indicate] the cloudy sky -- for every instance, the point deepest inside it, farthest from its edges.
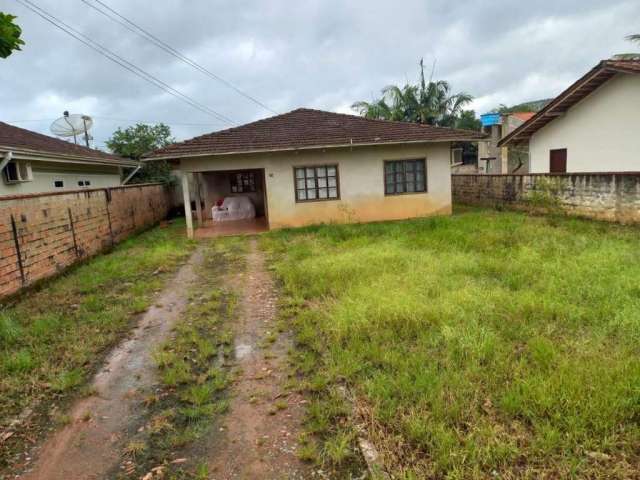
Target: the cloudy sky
(315, 53)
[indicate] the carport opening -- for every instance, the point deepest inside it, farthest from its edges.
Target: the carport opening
(248, 183)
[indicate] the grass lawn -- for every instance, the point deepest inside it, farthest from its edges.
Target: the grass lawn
(54, 337)
(486, 344)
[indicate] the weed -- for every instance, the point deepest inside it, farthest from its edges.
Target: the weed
(54, 336)
(483, 344)
(135, 448)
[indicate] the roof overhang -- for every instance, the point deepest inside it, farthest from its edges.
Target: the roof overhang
(580, 89)
(20, 153)
(312, 147)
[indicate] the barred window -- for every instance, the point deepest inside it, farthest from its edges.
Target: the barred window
(243, 182)
(316, 183)
(405, 176)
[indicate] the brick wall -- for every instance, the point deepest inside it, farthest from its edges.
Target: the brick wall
(42, 234)
(604, 196)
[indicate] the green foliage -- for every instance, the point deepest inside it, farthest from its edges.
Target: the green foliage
(481, 345)
(468, 121)
(533, 106)
(544, 194)
(133, 142)
(54, 337)
(9, 35)
(426, 102)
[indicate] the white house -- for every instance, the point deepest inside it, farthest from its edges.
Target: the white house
(309, 166)
(593, 126)
(33, 163)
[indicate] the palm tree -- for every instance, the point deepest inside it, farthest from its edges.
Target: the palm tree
(428, 102)
(629, 56)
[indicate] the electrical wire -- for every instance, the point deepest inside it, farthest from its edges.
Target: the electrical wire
(150, 122)
(121, 61)
(138, 30)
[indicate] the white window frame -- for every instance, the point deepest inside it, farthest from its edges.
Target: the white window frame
(24, 172)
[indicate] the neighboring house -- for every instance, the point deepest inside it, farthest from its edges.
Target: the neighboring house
(33, 163)
(495, 159)
(309, 166)
(593, 126)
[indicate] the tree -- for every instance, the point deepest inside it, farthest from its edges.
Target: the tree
(135, 141)
(9, 35)
(468, 121)
(426, 102)
(630, 56)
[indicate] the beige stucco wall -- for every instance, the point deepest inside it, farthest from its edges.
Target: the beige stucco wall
(45, 173)
(600, 133)
(361, 181)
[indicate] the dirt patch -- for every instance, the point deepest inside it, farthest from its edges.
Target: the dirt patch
(258, 438)
(91, 443)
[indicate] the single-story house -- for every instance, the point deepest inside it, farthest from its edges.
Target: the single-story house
(590, 127)
(310, 166)
(34, 163)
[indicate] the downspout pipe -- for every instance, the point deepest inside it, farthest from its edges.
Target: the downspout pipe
(130, 176)
(5, 160)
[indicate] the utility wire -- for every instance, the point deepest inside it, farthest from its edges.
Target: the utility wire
(138, 30)
(111, 119)
(121, 61)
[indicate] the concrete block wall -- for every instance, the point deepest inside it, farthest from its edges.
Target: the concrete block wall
(42, 234)
(604, 196)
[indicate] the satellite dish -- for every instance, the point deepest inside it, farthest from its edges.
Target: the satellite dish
(72, 126)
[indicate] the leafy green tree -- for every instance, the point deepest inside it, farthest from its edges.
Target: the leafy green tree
(135, 141)
(426, 102)
(9, 35)
(468, 121)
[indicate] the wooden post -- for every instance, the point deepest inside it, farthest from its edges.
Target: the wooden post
(196, 181)
(186, 196)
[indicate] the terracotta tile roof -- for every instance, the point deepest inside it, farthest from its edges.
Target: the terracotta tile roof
(20, 139)
(524, 116)
(305, 128)
(585, 85)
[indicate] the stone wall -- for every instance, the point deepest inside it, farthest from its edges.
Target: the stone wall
(603, 196)
(42, 234)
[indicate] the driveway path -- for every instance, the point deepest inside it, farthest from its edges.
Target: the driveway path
(259, 435)
(91, 444)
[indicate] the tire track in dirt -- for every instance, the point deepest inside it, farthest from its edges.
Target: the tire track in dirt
(258, 438)
(91, 444)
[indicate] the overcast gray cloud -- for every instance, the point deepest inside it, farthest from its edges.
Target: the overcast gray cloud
(318, 53)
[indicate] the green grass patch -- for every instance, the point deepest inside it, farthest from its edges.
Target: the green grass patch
(192, 368)
(483, 344)
(52, 338)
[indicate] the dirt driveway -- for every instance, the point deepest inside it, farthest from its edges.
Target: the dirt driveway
(255, 438)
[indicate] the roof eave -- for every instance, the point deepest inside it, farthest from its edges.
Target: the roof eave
(312, 147)
(22, 153)
(520, 135)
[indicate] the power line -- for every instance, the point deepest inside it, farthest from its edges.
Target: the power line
(138, 30)
(121, 61)
(152, 122)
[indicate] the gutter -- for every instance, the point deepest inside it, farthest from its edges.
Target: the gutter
(6, 159)
(314, 147)
(130, 176)
(27, 154)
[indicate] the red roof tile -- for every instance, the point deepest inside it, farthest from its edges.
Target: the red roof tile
(305, 128)
(20, 139)
(581, 88)
(524, 116)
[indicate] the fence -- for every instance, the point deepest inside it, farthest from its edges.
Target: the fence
(42, 234)
(604, 196)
